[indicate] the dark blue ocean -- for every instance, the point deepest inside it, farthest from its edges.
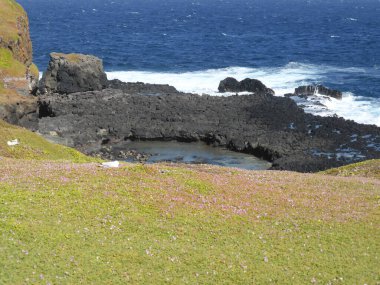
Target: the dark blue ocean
(193, 44)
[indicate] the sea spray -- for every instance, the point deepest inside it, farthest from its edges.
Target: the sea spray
(283, 80)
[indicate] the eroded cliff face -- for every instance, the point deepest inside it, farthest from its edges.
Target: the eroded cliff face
(18, 75)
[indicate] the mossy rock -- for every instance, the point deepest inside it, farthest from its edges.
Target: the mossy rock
(71, 57)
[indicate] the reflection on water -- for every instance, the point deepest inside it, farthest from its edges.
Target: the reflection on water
(194, 153)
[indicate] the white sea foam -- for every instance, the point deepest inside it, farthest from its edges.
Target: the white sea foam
(357, 108)
(281, 79)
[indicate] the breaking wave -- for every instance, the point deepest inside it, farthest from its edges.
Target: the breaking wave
(358, 107)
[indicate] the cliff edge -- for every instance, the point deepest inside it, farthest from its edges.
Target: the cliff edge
(18, 74)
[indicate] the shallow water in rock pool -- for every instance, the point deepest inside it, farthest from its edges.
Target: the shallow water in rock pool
(194, 153)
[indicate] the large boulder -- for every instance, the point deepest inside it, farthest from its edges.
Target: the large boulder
(71, 73)
(311, 90)
(230, 84)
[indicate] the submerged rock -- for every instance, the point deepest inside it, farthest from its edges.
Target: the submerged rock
(230, 84)
(70, 73)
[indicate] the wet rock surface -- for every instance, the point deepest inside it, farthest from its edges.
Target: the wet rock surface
(263, 125)
(311, 90)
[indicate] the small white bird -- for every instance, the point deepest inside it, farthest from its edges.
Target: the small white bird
(13, 142)
(111, 164)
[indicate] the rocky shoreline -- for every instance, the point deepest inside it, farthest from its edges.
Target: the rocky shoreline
(261, 124)
(75, 105)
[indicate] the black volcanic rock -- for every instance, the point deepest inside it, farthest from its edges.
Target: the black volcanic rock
(311, 90)
(230, 84)
(142, 88)
(255, 86)
(70, 73)
(271, 127)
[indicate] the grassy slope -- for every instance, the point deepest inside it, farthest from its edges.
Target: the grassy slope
(10, 67)
(33, 146)
(9, 12)
(68, 223)
(369, 168)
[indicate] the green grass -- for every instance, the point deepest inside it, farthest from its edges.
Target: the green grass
(34, 70)
(9, 12)
(67, 223)
(5, 58)
(369, 168)
(11, 34)
(10, 66)
(72, 57)
(33, 146)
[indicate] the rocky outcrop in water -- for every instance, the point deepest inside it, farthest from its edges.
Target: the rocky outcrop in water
(70, 73)
(311, 90)
(247, 85)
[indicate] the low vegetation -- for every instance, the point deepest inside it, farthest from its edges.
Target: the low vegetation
(15, 54)
(9, 13)
(33, 146)
(71, 57)
(69, 223)
(9, 66)
(66, 220)
(369, 168)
